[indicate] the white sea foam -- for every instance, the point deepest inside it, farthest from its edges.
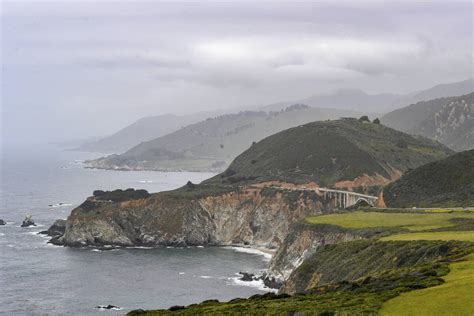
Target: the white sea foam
(266, 255)
(2, 234)
(34, 226)
(35, 234)
(256, 284)
(104, 308)
(59, 205)
(205, 277)
(146, 181)
(181, 273)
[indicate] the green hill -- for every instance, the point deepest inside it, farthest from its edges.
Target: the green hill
(332, 151)
(448, 182)
(214, 142)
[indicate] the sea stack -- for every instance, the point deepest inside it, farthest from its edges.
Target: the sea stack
(28, 221)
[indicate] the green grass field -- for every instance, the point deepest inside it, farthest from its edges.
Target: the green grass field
(455, 297)
(410, 221)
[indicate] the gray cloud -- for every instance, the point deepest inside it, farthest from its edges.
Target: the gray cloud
(66, 64)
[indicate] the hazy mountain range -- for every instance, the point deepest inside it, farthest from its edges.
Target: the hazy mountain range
(143, 130)
(149, 128)
(358, 100)
(214, 142)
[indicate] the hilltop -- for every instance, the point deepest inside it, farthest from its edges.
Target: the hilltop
(448, 120)
(340, 153)
(211, 144)
(447, 182)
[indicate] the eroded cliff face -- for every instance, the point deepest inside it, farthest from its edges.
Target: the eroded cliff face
(303, 241)
(249, 215)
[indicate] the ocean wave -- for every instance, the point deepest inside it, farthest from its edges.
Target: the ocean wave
(266, 255)
(59, 205)
(34, 226)
(206, 277)
(109, 307)
(36, 233)
(146, 181)
(256, 284)
(2, 234)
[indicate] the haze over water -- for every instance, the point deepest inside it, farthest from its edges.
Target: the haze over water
(37, 278)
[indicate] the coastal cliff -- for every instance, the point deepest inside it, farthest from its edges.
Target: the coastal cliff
(248, 215)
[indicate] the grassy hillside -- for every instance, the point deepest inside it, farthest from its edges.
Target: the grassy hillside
(374, 276)
(214, 142)
(448, 120)
(331, 151)
(409, 117)
(452, 124)
(448, 182)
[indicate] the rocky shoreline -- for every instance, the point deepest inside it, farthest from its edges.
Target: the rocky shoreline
(252, 217)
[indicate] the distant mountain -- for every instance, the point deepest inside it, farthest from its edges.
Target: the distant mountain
(211, 144)
(448, 120)
(343, 153)
(448, 182)
(358, 100)
(143, 130)
(149, 128)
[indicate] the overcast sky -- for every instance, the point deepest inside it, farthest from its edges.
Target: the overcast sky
(80, 69)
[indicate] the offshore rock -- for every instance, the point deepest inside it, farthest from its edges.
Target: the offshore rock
(28, 221)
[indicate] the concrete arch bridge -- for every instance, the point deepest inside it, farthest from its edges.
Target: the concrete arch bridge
(344, 199)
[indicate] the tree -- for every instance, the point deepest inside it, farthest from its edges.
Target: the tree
(364, 118)
(377, 121)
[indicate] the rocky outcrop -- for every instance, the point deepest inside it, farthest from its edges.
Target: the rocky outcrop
(248, 215)
(57, 229)
(2, 222)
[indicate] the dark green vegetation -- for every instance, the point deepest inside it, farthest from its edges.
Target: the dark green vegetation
(367, 259)
(399, 267)
(214, 142)
(448, 182)
(120, 195)
(448, 120)
(331, 151)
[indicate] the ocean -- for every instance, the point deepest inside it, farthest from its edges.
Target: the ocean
(37, 278)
